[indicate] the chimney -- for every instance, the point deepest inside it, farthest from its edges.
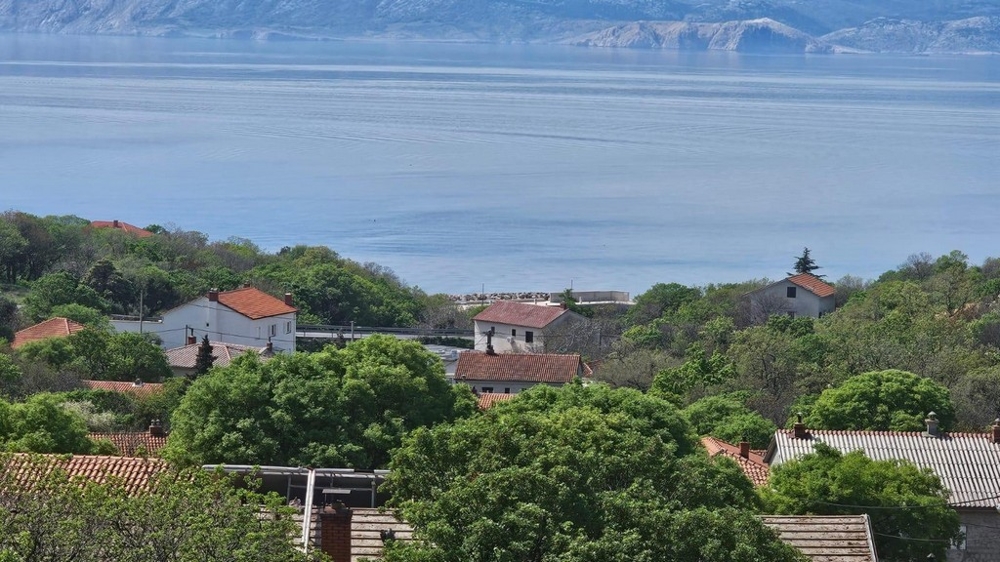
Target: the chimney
(799, 429)
(335, 533)
(191, 340)
(563, 305)
(137, 382)
(156, 428)
(996, 431)
(246, 284)
(213, 295)
(489, 341)
(745, 449)
(932, 425)
(288, 299)
(115, 223)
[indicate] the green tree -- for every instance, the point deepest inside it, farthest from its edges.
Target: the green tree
(805, 263)
(576, 474)
(907, 506)
(204, 360)
(699, 371)
(182, 517)
(101, 355)
(338, 407)
(882, 400)
(727, 417)
(83, 315)
(59, 288)
(42, 425)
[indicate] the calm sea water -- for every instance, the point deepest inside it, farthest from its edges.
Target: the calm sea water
(513, 167)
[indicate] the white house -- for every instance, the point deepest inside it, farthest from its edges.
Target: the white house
(514, 327)
(799, 295)
(245, 316)
(510, 373)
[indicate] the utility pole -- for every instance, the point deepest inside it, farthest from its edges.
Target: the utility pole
(352, 330)
(142, 293)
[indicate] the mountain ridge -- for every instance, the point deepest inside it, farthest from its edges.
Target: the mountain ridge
(785, 26)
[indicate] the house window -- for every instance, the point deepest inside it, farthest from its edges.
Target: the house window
(487, 389)
(790, 292)
(529, 337)
(273, 331)
(791, 314)
(288, 327)
(506, 390)
(513, 332)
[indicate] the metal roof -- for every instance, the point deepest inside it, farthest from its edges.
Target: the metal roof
(968, 464)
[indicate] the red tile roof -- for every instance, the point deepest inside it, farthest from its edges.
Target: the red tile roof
(140, 390)
(254, 303)
(752, 465)
(52, 328)
(123, 226)
(134, 444)
(813, 284)
(517, 367)
(520, 314)
(488, 399)
(24, 471)
(185, 357)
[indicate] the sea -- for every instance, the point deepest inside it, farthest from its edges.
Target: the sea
(469, 167)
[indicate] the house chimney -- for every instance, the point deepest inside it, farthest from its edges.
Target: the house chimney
(137, 382)
(115, 223)
(191, 340)
(563, 305)
(156, 428)
(996, 431)
(489, 341)
(932, 425)
(745, 449)
(335, 533)
(288, 299)
(246, 284)
(799, 429)
(213, 295)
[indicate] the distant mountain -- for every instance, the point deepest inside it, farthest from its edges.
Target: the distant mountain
(938, 26)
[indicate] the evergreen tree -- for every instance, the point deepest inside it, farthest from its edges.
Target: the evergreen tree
(203, 362)
(805, 264)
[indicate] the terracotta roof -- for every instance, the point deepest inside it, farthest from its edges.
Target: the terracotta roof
(753, 465)
(133, 473)
(488, 399)
(185, 357)
(813, 284)
(123, 226)
(137, 389)
(254, 303)
(132, 444)
(52, 328)
(968, 464)
(519, 367)
(520, 314)
(826, 538)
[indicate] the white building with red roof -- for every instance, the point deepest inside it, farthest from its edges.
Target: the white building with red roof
(510, 373)
(515, 327)
(244, 316)
(799, 295)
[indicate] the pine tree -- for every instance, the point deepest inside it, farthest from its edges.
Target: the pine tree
(805, 264)
(203, 362)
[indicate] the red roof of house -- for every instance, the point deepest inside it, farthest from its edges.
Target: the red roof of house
(134, 474)
(520, 314)
(753, 465)
(517, 367)
(52, 328)
(813, 284)
(254, 303)
(135, 388)
(123, 226)
(186, 357)
(132, 444)
(488, 399)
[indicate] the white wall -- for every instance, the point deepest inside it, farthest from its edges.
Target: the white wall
(220, 322)
(502, 387)
(805, 302)
(504, 342)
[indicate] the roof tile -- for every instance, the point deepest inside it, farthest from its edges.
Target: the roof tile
(813, 284)
(753, 466)
(185, 357)
(140, 389)
(130, 444)
(122, 226)
(517, 367)
(57, 327)
(254, 303)
(520, 314)
(488, 399)
(968, 464)
(133, 473)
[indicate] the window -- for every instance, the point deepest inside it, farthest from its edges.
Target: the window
(529, 337)
(791, 314)
(513, 332)
(273, 331)
(487, 389)
(790, 292)
(288, 327)
(506, 390)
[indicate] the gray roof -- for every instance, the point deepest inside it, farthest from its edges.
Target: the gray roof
(968, 464)
(826, 538)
